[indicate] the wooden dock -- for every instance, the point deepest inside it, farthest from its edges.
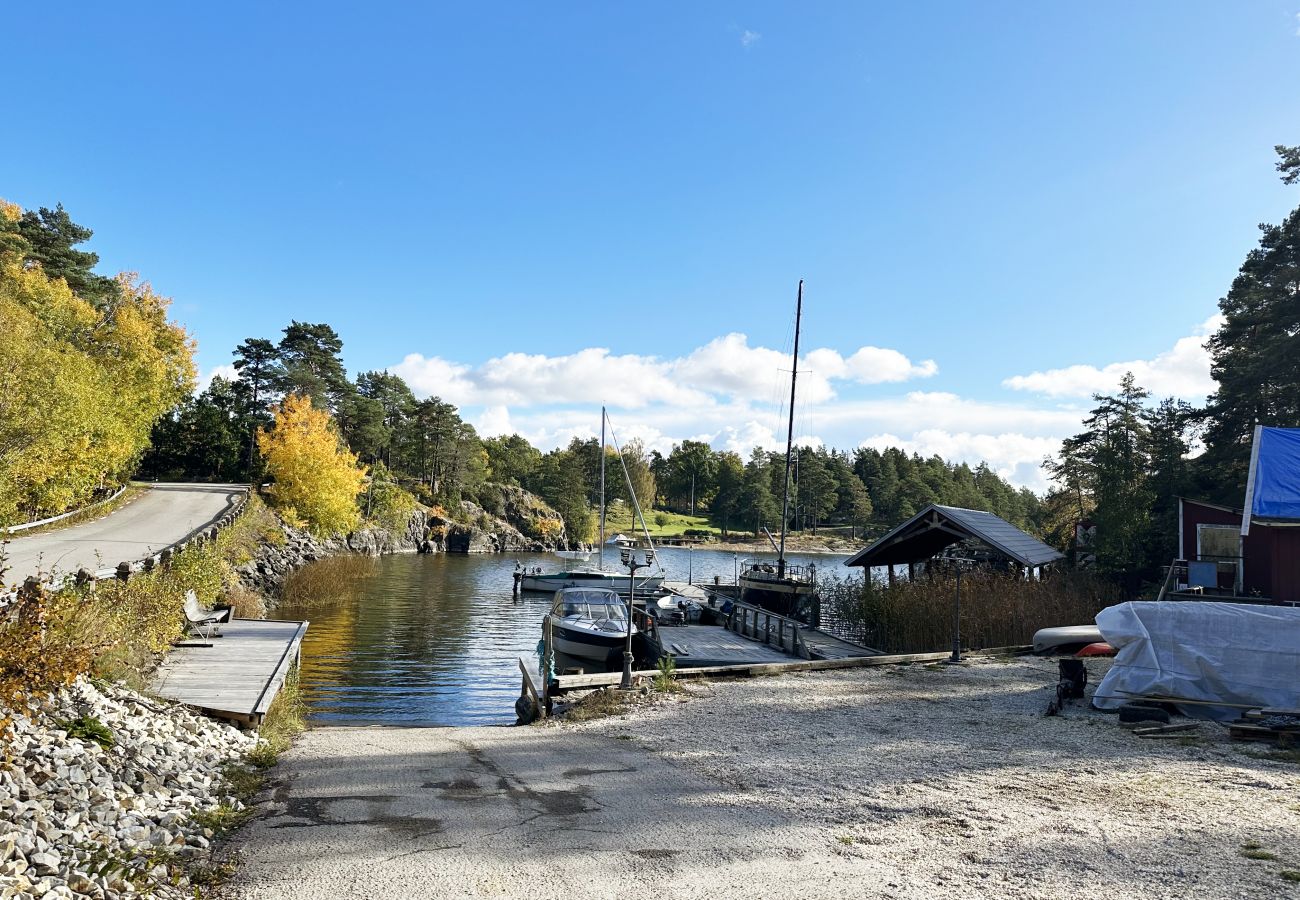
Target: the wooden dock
(236, 677)
(693, 646)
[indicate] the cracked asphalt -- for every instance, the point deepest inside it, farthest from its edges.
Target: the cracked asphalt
(512, 812)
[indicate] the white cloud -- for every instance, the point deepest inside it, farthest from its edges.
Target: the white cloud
(732, 396)
(726, 368)
(228, 372)
(749, 38)
(1182, 371)
(494, 422)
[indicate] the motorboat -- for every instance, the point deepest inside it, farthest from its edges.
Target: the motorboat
(588, 623)
(675, 609)
(587, 576)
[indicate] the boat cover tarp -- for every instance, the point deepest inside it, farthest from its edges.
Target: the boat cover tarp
(1275, 482)
(1227, 652)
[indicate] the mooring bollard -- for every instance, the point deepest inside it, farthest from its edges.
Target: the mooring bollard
(83, 578)
(123, 571)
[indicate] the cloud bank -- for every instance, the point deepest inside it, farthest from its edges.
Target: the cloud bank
(732, 396)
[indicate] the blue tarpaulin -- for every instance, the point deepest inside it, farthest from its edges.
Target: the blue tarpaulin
(1273, 488)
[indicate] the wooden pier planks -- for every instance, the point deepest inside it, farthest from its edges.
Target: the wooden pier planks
(711, 645)
(827, 646)
(238, 676)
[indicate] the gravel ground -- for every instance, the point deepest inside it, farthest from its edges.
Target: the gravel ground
(901, 782)
(949, 781)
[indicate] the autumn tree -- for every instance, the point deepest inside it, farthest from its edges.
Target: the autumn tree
(317, 479)
(81, 384)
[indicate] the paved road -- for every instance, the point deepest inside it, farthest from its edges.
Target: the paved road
(527, 813)
(168, 513)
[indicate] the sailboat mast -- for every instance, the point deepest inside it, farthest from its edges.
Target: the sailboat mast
(602, 488)
(789, 434)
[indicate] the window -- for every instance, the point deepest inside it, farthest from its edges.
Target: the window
(1221, 544)
(1217, 541)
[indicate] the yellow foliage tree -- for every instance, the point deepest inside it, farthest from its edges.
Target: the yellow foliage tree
(317, 478)
(80, 386)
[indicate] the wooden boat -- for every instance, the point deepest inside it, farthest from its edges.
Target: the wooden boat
(784, 589)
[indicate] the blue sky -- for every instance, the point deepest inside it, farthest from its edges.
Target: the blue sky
(998, 200)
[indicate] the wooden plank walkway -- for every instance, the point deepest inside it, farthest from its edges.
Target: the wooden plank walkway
(822, 645)
(239, 675)
(694, 646)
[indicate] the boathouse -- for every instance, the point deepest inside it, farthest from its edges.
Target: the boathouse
(936, 528)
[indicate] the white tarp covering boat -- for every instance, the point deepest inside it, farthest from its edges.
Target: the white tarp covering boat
(1226, 652)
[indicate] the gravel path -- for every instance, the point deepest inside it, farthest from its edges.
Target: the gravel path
(905, 782)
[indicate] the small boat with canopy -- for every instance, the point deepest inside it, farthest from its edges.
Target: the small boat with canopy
(588, 624)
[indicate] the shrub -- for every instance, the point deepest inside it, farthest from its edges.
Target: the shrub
(661, 519)
(44, 646)
(389, 506)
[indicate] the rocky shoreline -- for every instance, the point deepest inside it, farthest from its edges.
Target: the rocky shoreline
(103, 792)
(519, 522)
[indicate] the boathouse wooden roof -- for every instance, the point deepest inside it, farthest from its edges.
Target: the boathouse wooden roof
(936, 527)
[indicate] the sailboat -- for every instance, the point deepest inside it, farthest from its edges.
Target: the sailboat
(785, 589)
(587, 575)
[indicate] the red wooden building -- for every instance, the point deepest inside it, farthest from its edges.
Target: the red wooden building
(1264, 563)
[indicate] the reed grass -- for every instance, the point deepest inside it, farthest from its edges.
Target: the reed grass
(997, 610)
(329, 581)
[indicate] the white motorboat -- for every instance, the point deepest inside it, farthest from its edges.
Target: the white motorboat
(589, 624)
(587, 576)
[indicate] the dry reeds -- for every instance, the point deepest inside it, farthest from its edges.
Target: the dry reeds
(997, 610)
(335, 579)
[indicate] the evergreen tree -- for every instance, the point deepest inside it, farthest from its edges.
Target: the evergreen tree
(1256, 352)
(51, 237)
(312, 364)
(726, 506)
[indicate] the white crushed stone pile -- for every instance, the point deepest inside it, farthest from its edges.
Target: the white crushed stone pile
(81, 820)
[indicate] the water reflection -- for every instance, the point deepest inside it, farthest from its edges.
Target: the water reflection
(433, 640)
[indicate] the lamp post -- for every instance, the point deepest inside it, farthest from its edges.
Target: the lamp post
(956, 611)
(956, 624)
(629, 559)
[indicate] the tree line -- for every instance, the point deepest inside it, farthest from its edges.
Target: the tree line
(1134, 458)
(869, 490)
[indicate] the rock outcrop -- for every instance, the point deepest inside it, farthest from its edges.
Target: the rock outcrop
(270, 566)
(509, 519)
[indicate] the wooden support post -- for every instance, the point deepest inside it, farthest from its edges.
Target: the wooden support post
(890, 569)
(911, 571)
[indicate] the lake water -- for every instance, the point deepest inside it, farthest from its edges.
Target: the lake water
(434, 640)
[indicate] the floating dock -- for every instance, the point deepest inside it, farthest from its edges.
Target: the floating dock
(235, 676)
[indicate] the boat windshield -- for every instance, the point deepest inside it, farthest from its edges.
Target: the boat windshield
(595, 605)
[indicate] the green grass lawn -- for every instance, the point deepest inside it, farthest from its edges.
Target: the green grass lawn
(661, 523)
